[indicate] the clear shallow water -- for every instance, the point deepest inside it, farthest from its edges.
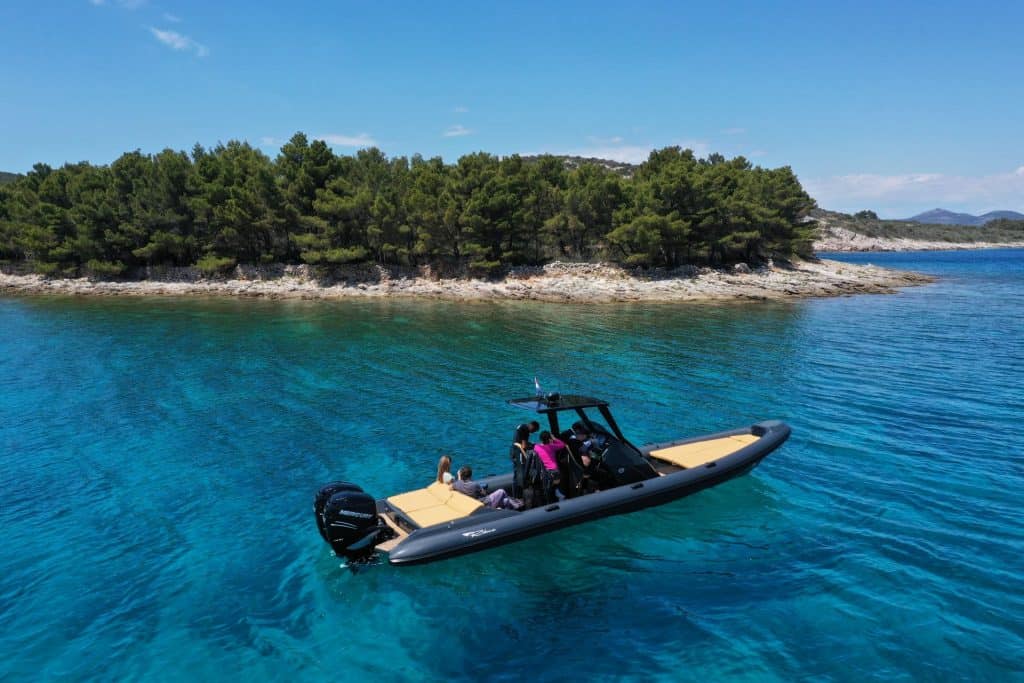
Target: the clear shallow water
(158, 460)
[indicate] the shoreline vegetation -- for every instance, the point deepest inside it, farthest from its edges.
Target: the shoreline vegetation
(232, 205)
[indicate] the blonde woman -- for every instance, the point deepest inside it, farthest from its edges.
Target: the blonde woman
(444, 470)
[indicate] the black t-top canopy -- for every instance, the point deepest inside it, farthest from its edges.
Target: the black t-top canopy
(552, 403)
(625, 463)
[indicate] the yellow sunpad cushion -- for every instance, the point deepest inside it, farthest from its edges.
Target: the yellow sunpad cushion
(702, 452)
(463, 503)
(435, 504)
(432, 496)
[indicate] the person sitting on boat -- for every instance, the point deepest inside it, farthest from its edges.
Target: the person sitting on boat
(496, 499)
(584, 468)
(578, 443)
(548, 450)
(444, 470)
(593, 442)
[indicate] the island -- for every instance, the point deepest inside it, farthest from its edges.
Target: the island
(309, 223)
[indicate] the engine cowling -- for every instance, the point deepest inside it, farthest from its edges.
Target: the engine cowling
(347, 519)
(324, 495)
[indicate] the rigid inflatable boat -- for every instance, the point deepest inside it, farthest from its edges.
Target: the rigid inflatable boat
(436, 522)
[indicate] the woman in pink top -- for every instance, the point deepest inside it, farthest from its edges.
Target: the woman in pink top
(546, 449)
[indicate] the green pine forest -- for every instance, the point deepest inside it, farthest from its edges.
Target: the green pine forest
(232, 204)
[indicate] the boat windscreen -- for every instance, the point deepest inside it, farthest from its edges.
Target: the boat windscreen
(625, 464)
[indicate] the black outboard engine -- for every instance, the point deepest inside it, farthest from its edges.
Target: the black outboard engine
(347, 519)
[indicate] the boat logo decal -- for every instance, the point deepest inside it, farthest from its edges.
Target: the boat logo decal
(478, 532)
(360, 515)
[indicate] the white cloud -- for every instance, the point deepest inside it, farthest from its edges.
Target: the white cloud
(268, 141)
(177, 41)
(361, 140)
(172, 18)
(124, 4)
(614, 140)
(911, 192)
(734, 131)
(457, 131)
(460, 110)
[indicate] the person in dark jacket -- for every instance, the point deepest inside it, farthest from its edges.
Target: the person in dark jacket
(584, 468)
(519, 452)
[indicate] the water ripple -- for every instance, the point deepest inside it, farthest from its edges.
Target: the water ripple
(158, 458)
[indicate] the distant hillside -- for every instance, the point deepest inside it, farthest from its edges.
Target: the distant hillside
(623, 169)
(998, 215)
(836, 228)
(944, 217)
(6, 177)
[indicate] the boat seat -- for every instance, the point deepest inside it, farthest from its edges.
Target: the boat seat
(434, 505)
(690, 455)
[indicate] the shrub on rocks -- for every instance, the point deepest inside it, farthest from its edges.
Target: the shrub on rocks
(100, 270)
(215, 265)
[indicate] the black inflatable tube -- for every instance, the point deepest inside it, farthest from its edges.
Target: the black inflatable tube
(491, 528)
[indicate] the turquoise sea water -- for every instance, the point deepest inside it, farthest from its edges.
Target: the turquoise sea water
(158, 460)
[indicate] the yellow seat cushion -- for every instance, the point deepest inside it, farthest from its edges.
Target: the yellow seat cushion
(435, 515)
(700, 453)
(463, 503)
(434, 505)
(419, 499)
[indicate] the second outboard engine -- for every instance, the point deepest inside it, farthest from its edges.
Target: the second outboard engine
(347, 519)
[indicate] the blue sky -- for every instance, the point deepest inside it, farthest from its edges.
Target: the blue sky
(898, 107)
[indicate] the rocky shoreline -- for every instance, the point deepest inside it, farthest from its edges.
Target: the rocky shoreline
(556, 282)
(837, 239)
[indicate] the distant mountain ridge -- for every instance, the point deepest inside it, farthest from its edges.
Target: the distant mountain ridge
(944, 217)
(6, 177)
